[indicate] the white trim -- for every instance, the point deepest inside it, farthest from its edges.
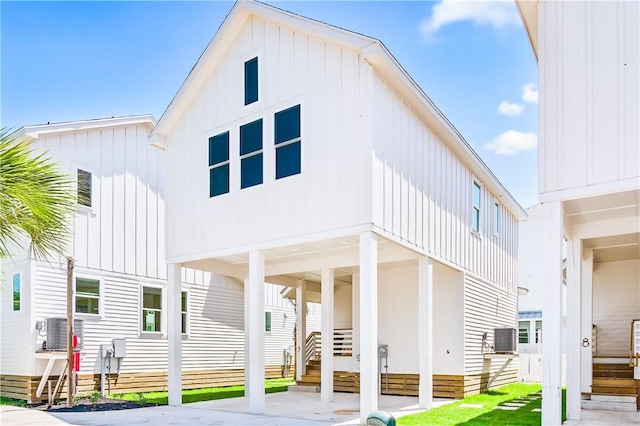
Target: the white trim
(35, 131)
(100, 280)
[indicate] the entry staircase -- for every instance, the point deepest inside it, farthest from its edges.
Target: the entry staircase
(613, 385)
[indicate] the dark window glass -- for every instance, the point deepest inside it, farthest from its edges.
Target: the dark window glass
(219, 180)
(288, 159)
(251, 81)
(251, 137)
(184, 312)
(84, 188)
(251, 171)
(287, 124)
(219, 148)
(267, 321)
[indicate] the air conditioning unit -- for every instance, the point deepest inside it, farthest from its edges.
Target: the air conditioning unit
(57, 333)
(504, 340)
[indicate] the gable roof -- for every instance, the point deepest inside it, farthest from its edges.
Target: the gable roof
(372, 50)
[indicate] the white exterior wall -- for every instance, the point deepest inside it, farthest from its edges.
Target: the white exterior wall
(15, 325)
(330, 83)
(423, 195)
(487, 306)
(590, 97)
(616, 302)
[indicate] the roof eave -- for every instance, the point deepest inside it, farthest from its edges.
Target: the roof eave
(528, 10)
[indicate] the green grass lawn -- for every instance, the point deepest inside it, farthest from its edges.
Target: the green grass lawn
(507, 405)
(11, 401)
(208, 394)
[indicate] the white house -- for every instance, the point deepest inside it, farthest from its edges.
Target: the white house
(300, 151)
(589, 170)
(120, 279)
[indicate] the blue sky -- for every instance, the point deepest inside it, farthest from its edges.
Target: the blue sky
(65, 61)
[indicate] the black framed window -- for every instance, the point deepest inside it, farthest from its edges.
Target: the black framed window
(84, 188)
(251, 161)
(288, 142)
(219, 164)
(251, 81)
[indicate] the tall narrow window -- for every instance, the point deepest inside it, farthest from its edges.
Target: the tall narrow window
(538, 331)
(151, 309)
(476, 207)
(496, 217)
(219, 164)
(288, 142)
(184, 312)
(16, 292)
(267, 321)
(87, 296)
(523, 331)
(251, 81)
(84, 188)
(251, 154)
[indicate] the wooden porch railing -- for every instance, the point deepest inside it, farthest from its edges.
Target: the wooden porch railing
(342, 344)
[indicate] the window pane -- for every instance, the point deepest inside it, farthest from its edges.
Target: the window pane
(251, 137)
(152, 298)
(523, 332)
(87, 287)
(496, 217)
(288, 160)
(476, 219)
(184, 301)
(151, 320)
(87, 305)
(287, 124)
(267, 321)
(476, 194)
(219, 148)
(538, 331)
(251, 81)
(16, 292)
(219, 180)
(184, 323)
(84, 188)
(251, 171)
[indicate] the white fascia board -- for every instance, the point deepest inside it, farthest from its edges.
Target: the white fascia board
(217, 47)
(34, 132)
(528, 10)
(383, 62)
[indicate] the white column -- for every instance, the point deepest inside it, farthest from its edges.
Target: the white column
(587, 320)
(326, 360)
(550, 268)
(247, 355)
(574, 332)
(174, 332)
(368, 324)
(425, 331)
(256, 332)
(355, 318)
(301, 328)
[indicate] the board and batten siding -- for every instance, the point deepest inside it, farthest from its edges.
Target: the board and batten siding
(423, 195)
(616, 302)
(486, 306)
(330, 82)
(590, 95)
(122, 230)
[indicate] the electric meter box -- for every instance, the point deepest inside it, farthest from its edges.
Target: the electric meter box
(119, 348)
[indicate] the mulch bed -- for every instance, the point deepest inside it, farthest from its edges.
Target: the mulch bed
(81, 405)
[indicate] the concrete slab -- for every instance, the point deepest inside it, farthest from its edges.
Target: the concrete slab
(602, 417)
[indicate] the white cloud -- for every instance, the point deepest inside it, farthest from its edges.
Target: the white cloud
(497, 14)
(506, 108)
(511, 142)
(530, 93)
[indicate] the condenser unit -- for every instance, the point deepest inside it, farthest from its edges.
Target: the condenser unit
(504, 340)
(57, 333)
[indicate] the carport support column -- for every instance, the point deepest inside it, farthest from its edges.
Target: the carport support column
(174, 332)
(368, 324)
(301, 329)
(586, 278)
(425, 331)
(574, 332)
(247, 355)
(326, 360)
(551, 238)
(255, 317)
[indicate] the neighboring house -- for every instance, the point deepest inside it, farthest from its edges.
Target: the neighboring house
(120, 278)
(589, 170)
(296, 150)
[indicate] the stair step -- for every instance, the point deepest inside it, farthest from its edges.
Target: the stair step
(614, 382)
(304, 388)
(611, 406)
(613, 398)
(612, 390)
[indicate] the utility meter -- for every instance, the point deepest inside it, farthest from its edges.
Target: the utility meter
(383, 351)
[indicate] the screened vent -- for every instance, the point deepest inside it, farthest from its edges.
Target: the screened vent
(57, 333)
(504, 340)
